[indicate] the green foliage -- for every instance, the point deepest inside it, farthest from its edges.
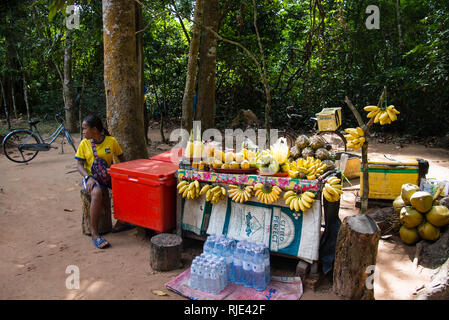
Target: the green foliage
(316, 51)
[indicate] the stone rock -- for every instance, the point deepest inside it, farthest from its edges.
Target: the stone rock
(433, 254)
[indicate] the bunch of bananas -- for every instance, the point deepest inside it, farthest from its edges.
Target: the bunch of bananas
(384, 115)
(309, 168)
(299, 201)
(355, 138)
(240, 193)
(214, 194)
(189, 190)
(332, 189)
(266, 193)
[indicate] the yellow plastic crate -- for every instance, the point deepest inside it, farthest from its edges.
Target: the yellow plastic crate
(329, 119)
(387, 177)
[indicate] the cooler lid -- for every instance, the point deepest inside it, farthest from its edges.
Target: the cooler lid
(146, 168)
(169, 156)
(393, 161)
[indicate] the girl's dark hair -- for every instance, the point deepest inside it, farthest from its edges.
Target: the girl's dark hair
(95, 122)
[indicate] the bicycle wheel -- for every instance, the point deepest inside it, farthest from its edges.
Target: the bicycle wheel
(335, 139)
(13, 142)
(69, 139)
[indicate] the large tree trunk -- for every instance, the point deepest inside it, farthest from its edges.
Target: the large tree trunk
(189, 91)
(207, 67)
(124, 105)
(67, 86)
(140, 65)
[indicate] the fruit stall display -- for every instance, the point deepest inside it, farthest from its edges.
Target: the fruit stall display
(296, 176)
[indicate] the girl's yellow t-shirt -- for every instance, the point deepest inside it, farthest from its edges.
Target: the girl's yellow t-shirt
(105, 150)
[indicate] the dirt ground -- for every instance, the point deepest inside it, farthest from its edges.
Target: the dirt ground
(40, 237)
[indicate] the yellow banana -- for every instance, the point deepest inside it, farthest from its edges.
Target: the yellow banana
(288, 194)
(292, 203)
(223, 191)
(307, 198)
(183, 188)
(204, 189)
(258, 186)
(392, 115)
(329, 189)
(182, 184)
(306, 204)
(296, 204)
(310, 194)
(301, 205)
(372, 113)
(371, 108)
(360, 131)
(376, 118)
(289, 199)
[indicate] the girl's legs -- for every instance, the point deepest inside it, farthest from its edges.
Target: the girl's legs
(96, 205)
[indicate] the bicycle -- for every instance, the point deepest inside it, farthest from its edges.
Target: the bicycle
(335, 140)
(23, 145)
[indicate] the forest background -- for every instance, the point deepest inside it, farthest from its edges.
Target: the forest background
(314, 53)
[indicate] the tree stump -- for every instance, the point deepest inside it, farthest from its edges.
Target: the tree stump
(105, 223)
(165, 252)
(356, 250)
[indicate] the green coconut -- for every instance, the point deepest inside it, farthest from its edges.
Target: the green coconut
(421, 201)
(398, 204)
(407, 191)
(427, 231)
(408, 236)
(410, 217)
(438, 216)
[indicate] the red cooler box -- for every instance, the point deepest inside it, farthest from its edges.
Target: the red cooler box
(144, 193)
(171, 156)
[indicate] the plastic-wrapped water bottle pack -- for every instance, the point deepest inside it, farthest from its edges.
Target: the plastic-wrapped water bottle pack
(227, 260)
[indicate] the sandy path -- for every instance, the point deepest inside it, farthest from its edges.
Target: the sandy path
(40, 236)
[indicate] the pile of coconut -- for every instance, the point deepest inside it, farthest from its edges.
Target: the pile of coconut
(420, 215)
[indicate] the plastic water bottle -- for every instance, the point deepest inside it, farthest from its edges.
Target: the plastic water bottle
(247, 261)
(259, 269)
(238, 264)
(200, 277)
(214, 281)
(222, 273)
(207, 277)
(209, 244)
(220, 246)
(194, 274)
(266, 255)
(230, 260)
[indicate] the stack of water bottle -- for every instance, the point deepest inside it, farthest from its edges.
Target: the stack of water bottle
(226, 260)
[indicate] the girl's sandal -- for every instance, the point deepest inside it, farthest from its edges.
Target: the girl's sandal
(100, 243)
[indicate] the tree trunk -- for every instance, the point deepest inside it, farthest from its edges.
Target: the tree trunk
(398, 13)
(356, 251)
(165, 252)
(189, 91)
(140, 65)
(67, 86)
(6, 106)
(124, 106)
(13, 100)
(25, 95)
(207, 67)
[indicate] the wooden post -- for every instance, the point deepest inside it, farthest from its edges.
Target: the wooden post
(356, 250)
(165, 252)
(105, 224)
(358, 237)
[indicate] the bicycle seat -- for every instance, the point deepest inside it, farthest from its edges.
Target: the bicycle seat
(32, 123)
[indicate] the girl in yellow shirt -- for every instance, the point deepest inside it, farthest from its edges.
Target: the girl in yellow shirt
(107, 147)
